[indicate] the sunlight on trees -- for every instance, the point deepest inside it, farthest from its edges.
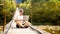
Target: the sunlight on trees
(43, 11)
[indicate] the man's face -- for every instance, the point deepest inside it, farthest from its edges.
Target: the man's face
(21, 12)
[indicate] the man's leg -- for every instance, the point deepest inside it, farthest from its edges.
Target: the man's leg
(26, 24)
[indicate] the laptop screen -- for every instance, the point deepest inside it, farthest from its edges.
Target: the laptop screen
(26, 17)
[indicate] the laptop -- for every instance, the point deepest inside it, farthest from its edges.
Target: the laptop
(25, 17)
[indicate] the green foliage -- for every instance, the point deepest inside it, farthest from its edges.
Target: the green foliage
(9, 9)
(43, 11)
(46, 12)
(1, 13)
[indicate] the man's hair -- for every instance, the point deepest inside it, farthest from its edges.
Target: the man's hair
(20, 10)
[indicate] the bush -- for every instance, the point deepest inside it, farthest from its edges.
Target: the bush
(46, 12)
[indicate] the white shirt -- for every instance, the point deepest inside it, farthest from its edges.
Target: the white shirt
(20, 18)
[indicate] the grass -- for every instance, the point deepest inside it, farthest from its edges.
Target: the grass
(1, 28)
(53, 31)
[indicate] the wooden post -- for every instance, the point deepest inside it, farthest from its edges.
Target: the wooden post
(4, 16)
(31, 11)
(4, 20)
(31, 14)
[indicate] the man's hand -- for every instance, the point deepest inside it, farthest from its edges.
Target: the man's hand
(21, 25)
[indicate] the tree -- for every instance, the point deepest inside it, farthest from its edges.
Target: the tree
(46, 12)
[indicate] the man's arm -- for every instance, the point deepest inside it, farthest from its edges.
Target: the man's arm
(18, 22)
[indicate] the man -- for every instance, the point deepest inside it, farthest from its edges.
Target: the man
(20, 22)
